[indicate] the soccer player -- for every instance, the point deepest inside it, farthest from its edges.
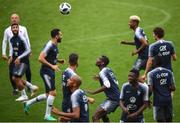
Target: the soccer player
(70, 71)
(140, 41)
(17, 62)
(162, 49)
(6, 39)
(133, 99)
(48, 58)
(80, 108)
(161, 83)
(109, 85)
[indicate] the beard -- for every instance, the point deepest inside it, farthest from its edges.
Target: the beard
(59, 40)
(15, 34)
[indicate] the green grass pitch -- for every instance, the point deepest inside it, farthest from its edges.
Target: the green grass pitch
(93, 28)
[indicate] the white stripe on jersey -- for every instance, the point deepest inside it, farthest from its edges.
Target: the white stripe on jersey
(47, 47)
(104, 78)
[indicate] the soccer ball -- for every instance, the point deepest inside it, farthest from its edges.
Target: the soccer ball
(64, 8)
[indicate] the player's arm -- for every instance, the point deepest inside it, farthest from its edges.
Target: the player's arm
(128, 42)
(26, 36)
(99, 90)
(174, 57)
(4, 45)
(75, 114)
(121, 102)
(172, 85)
(148, 67)
(144, 44)
(42, 59)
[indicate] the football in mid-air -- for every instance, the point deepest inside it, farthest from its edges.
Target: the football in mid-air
(65, 8)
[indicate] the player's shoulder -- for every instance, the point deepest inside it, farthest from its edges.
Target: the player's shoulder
(138, 30)
(7, 29)
(154, 44)
(69, 71)
(125, 85)
(76, 93)
(22, 27)
(143, 85)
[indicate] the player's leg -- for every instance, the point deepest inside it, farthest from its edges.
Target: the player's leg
(13, 84)
(99, 113)
(28, 73)
(105, 108)
(18, 72)
(159, 114)
(33, 88)
(169, 113)
(28, 103)
(49, 82)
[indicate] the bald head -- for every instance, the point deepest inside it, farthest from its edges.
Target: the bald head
(15, 18)
(74, 82)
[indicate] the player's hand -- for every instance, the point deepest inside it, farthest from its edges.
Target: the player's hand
(55, 110)
(132, 116)
(143, 77)
(125, 110)
(96, 77)
(10, 60)
(4, 57)
(134, 53)
(17, 61)
(123, 42)
(91, 100)
(61, 61)
(55, 68)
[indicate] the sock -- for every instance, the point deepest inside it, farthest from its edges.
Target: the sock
(28, 84)
(36, 99)
(23, 93)
(49, 104)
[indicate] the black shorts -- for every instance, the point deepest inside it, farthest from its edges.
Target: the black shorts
(48, 77)
(163, 113)
(19, 70)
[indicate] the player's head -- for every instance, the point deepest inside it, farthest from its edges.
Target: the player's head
(158, 33)
(15, 18)
(74, 82)
(73, 59)
(133, 76)
(102, 61)
(15, 29)
(56, 34)
(134, 21)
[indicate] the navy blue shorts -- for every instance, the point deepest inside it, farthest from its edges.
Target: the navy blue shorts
(140, 64)
(48, 77)
(109, 105)
(18, 70)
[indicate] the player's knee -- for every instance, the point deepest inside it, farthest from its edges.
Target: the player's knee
(53, 93)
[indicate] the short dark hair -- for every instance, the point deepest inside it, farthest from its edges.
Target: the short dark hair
(14, 24)
(136, 72)
(159, 32)
(54, 32)
(73, 59)
(105, 59)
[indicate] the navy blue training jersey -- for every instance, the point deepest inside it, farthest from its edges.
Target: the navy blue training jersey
(163, 50)
(161, 79)
(139, 34)
(108, 79)
(19, 48)
(133, 98)
(68, 73)
(79, 99)
(51, 52)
